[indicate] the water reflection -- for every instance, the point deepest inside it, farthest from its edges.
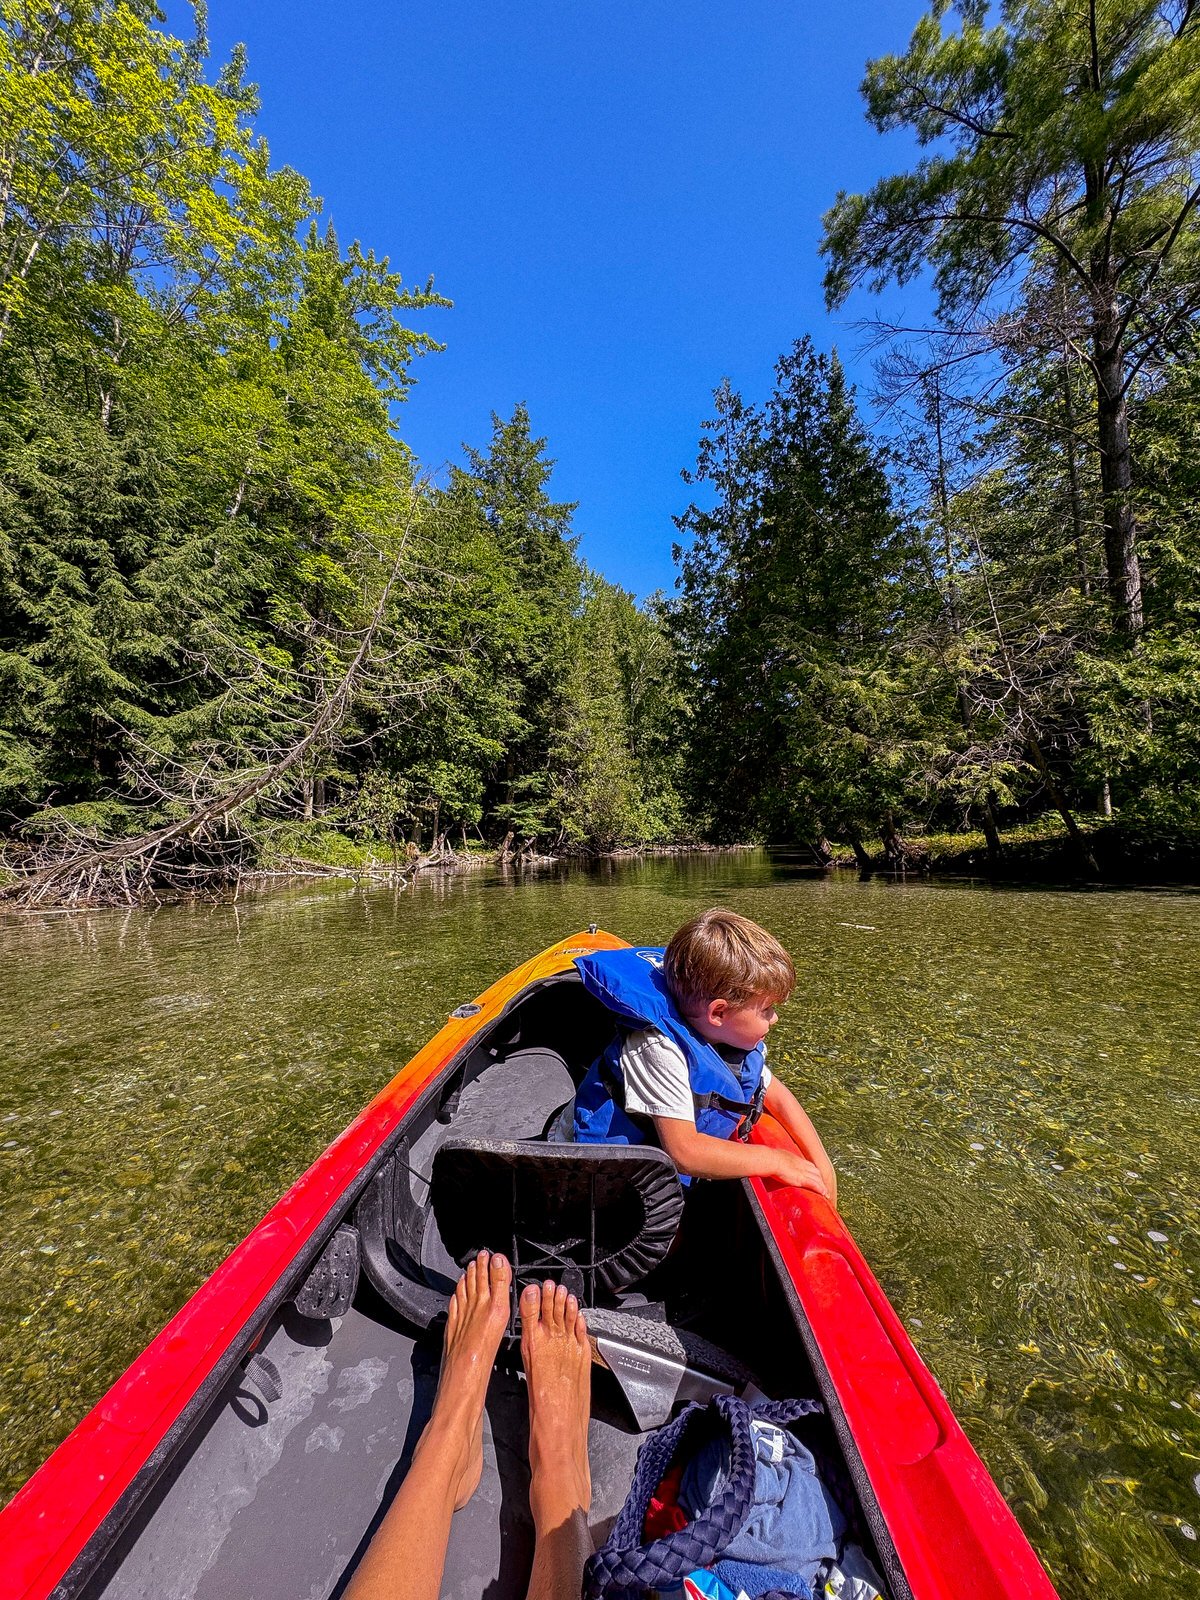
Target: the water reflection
(1007, 1082)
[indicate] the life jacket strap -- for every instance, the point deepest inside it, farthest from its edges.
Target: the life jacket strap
(721, 1102)
(756, 1111)
(748, 1110)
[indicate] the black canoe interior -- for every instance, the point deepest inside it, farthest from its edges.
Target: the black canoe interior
(271, 1487)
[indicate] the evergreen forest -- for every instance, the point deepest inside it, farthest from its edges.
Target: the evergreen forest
(241, 627)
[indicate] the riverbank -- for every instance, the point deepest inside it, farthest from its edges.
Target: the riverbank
(311, 852)
(1044, 852)
(328, 853)
(1037, 852)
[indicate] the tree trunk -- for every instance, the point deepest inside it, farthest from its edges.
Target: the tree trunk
(943, 497)
(1081, 566)
(860, 852)
(991, 830)
(895, 851)
(1059, 802)
(822, 851)
(1116, 476)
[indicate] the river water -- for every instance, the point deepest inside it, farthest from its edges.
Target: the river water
(1006, 1081)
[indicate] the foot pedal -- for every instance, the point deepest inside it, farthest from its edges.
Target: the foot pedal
(329, 1288)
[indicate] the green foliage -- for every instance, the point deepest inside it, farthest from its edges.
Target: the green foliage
(1054, 205)
(319, 842)
(200, 488)
(617, 772)
(207, 509)
(203, 493)
(1070, 128)
(792, 587)
(860, 665)
(506, 486)
(1057, 208)
(1144, 709)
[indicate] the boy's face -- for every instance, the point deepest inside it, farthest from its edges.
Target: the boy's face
(740, 1027)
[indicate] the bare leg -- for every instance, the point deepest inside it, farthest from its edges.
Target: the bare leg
(404, 1560)
(558, 1364)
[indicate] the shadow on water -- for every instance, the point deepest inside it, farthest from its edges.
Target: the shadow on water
(1006, 1079)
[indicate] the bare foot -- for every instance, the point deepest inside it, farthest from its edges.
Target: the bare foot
(478, 1316)
(558, 1364)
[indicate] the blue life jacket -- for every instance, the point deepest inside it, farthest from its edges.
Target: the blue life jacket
(728, 1098)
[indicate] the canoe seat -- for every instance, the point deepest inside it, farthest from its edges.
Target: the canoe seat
(598, 1218)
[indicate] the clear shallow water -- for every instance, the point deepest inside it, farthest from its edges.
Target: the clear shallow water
(1007, 1082)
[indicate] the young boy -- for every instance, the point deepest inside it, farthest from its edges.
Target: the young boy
(687, 1068)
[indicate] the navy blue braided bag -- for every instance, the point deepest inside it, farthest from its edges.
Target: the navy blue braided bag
(626, 1569)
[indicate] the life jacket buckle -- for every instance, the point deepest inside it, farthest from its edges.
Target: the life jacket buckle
(752, 1116)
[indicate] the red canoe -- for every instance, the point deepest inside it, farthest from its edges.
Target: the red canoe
(250, 1449)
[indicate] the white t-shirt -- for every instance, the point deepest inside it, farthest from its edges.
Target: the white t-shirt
(656, 1077)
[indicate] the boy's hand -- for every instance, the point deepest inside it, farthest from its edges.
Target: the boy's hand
(791, 1115)
(789, 1167)
(701, 1155)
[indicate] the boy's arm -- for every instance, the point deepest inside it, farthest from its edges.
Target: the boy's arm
(700, 1155)
(791, 1115)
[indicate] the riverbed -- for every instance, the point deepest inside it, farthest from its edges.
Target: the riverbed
(1007, 1081)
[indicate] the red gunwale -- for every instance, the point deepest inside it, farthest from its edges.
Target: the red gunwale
(954, 1534)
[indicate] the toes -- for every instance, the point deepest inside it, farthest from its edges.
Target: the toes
(531, 1299)
(479, 1267)
(570, 1313)
(581, 1331)
(547, 1313)
(499, 1275)
(560, 1307)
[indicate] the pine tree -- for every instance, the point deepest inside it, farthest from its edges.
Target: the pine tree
(533, 539)
(1064, 151)
(790, 610)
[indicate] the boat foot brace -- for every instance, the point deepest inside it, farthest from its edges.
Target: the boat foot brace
(658, 1367)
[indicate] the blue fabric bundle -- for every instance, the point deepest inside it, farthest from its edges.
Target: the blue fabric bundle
(793, 1525)
(624, 1567)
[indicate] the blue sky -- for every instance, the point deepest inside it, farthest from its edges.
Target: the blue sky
(623, 201)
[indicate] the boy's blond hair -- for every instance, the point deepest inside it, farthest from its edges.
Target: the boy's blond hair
(721, 956)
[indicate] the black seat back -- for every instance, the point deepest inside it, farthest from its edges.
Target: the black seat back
(595, 1217)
